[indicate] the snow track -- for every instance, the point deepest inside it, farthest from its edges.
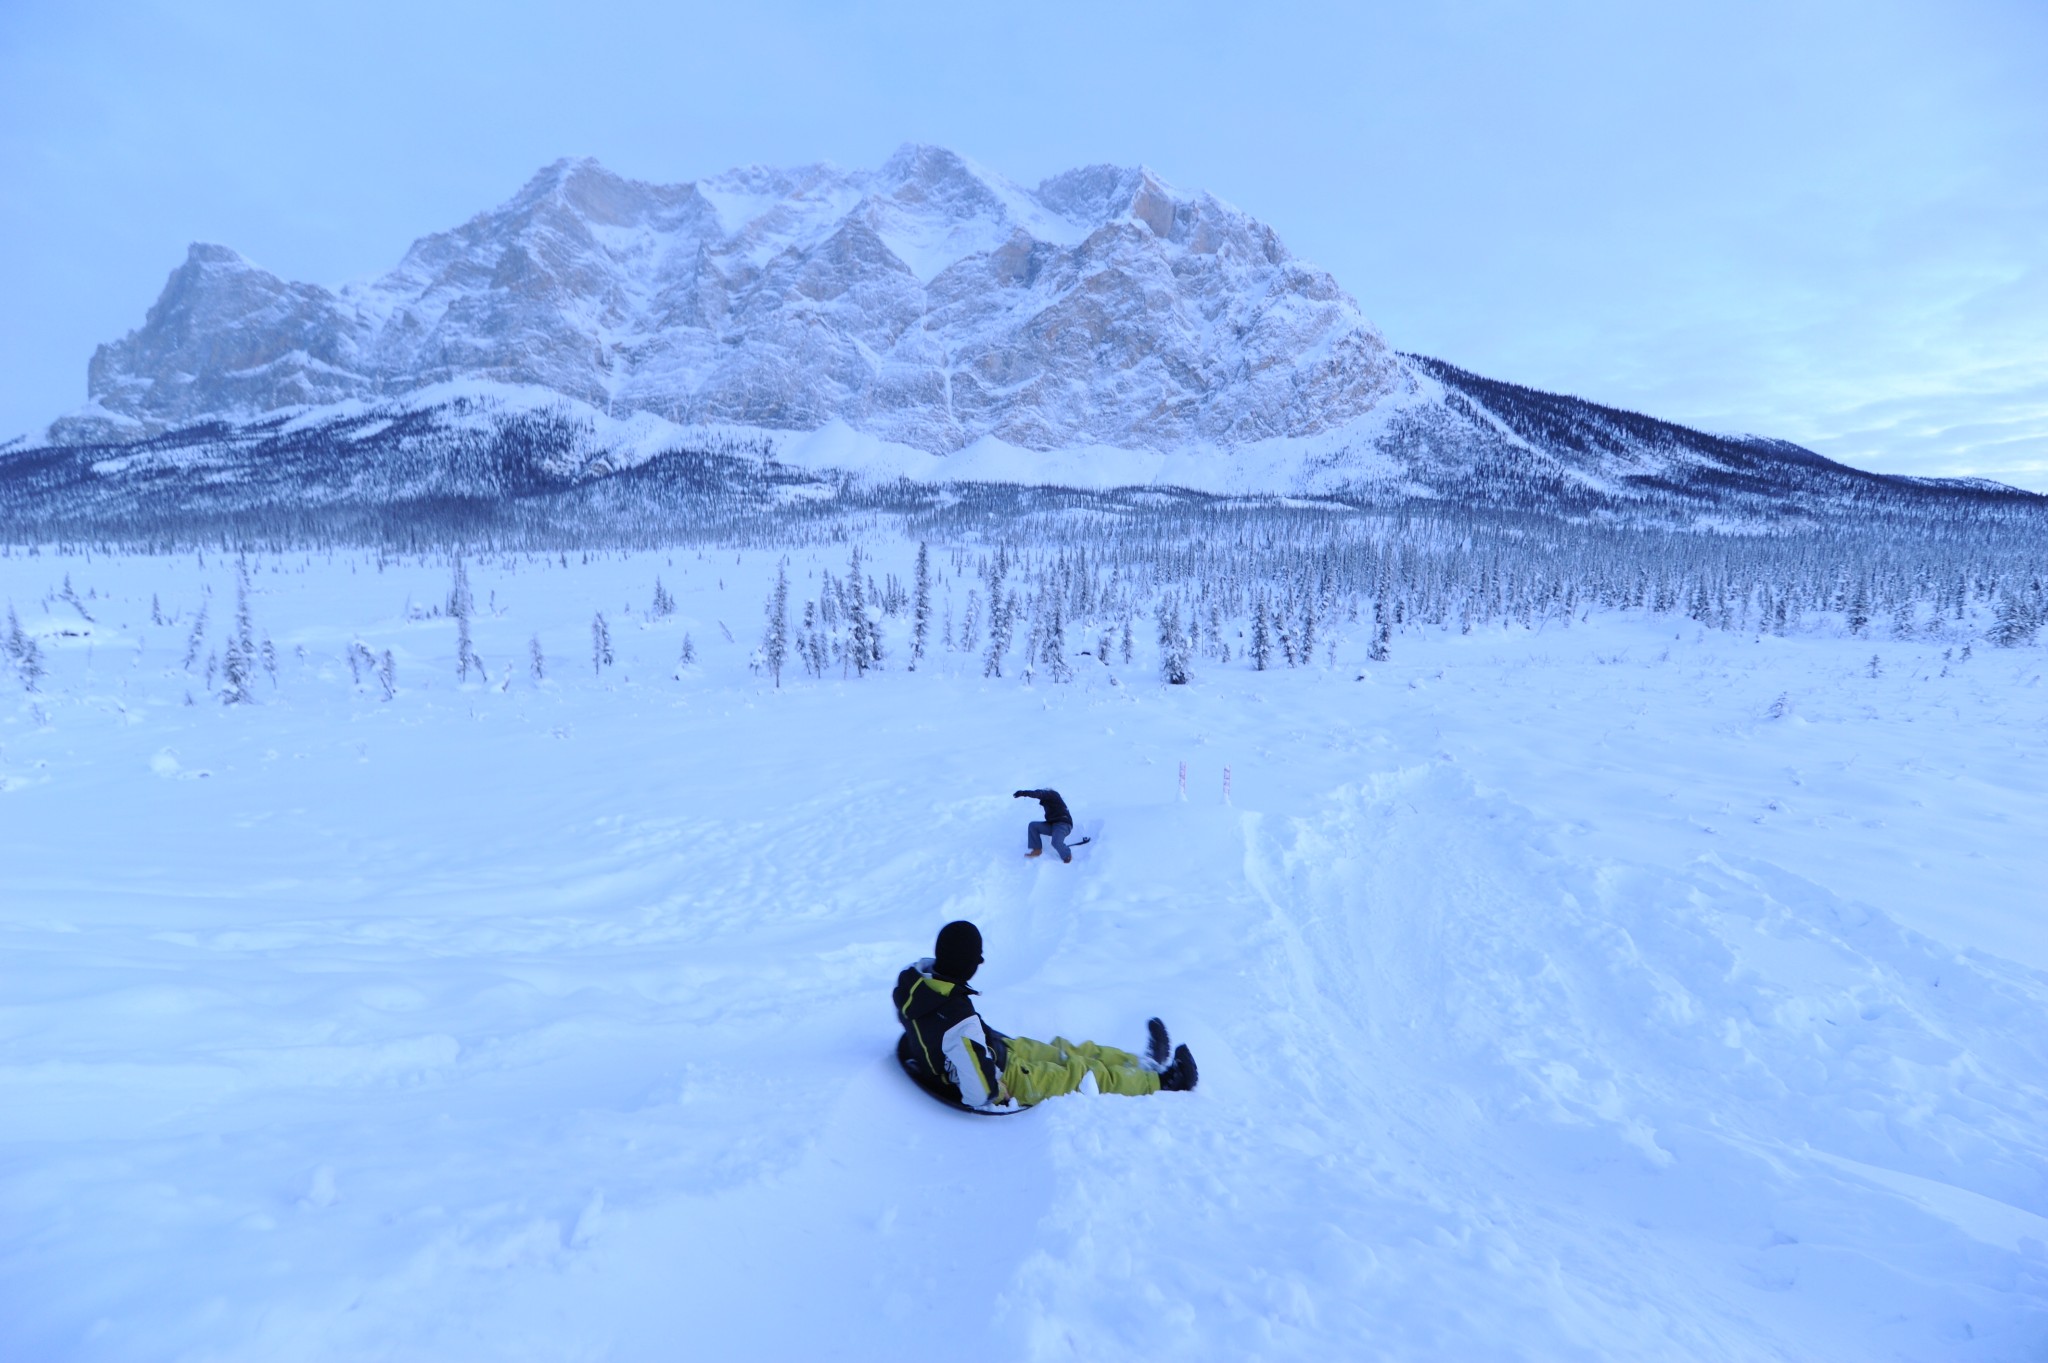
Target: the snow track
(549, 1023)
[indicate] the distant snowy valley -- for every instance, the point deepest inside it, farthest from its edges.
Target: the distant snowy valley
(1578, 980)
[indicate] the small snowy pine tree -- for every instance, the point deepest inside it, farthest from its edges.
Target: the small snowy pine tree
(197, 640)
(1859, 608)
(775, 643)
(2013, 623)
(860, 648)
(1055, 655)
(235, 675)
(999, 624)
(28, 658)
(460, 602)
(921, 606)
(970, 623)
(1382, 630)
(1174, 668)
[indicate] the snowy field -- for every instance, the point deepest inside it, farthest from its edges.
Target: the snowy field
(1619, 991)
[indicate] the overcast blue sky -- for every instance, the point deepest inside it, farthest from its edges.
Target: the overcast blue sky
(1826, 222)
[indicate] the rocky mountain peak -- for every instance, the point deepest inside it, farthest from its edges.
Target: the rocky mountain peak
(931, 302)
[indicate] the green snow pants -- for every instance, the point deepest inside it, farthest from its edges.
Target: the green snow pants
(1045, 1069)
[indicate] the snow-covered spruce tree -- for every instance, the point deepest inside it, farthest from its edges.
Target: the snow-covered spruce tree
(600, 645)
(461, 605)
(235, 675)
(663, 604)
(1048, 646)
(197, 639)
(1262, 637)
(860, 645)
(536, 661)
(921, 605)
(999, 624)
(970, 623)
(2014, 623)
(810, 642)
(1174, 661)
(1858, 614)
(1129, 649)
(387, 674)
(775, 641)
(1378, 651)
(22, 650)
(1903, 622)
(70, 595)
(245, 627)
(1285, 633)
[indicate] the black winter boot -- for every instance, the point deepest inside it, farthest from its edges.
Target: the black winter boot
(1180, 1076)
(1157, 1048)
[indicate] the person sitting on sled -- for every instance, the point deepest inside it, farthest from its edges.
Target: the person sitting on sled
(1057, 824)
(992, 1070)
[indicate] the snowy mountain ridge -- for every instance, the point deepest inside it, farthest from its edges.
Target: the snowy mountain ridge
(926, 323)
(929, 303)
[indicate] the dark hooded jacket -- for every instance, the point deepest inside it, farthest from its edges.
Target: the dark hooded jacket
(1055, 808)
(951, 1041)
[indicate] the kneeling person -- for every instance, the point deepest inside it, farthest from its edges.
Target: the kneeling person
(935, 1005)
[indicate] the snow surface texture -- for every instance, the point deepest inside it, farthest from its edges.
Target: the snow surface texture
(930, 303)
(1558, 995)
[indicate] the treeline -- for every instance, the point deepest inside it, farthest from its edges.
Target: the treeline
(1268, 587)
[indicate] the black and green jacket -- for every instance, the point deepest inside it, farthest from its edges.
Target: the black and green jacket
(955, 1046)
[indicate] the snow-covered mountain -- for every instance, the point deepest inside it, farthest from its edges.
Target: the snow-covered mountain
(929, 321)
(929, 303)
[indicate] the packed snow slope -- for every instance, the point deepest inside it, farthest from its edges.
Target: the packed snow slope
(1611, 991)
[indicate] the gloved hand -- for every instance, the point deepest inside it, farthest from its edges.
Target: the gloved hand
(1017, 794)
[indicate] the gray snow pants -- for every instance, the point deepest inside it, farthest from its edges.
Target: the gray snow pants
(1057, 832)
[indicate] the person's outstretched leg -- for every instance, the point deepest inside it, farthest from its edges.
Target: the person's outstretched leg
(1037, 828)
(1040, 1069)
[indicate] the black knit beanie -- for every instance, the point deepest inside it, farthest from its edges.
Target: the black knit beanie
(958, 952)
